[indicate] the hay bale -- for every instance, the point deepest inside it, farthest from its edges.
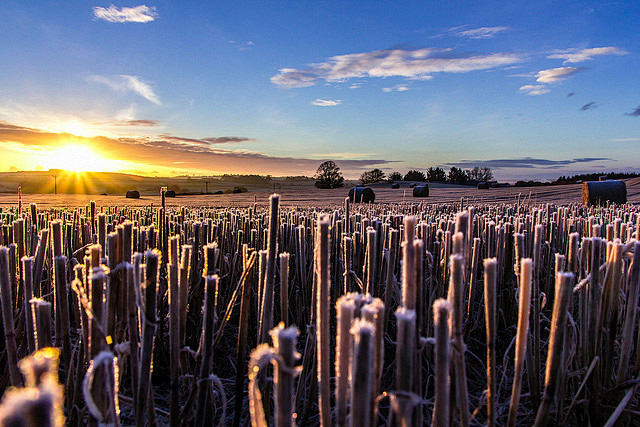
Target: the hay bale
(421, 190)
(483, 186)
(169, 193)
(598, 193)
(133, 194)
(218, 192)
(395, 185)
(361, 195)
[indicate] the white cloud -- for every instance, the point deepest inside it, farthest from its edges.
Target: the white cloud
(125, 83)
(242, 46)
(482, 32)
(574, 55)
(397, 88)
(140, 13)
(355, 85)
(553, 75)
(326, 102)
(625, 139)
(413, 64)
(534, 89)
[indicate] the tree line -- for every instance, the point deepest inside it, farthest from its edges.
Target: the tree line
(328, 175)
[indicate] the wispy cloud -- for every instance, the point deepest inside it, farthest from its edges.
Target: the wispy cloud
(589, 106)
(125, 83)
(397, 88)
(326, 102)
(142, 14)
(572, 56)
(242, 46)
(625, 139)
(634, 113)
(534, 89)
(481, 33)
(525, 163)
(137, 123)
(413, 64)
(554, 75)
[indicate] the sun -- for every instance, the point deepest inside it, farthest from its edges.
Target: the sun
(79, 158)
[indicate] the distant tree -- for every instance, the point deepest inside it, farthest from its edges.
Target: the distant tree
(328, 176)
(436, 175)
(414, 175)
(395, 176)
(369, 177)
(480, 174)
(458, 176)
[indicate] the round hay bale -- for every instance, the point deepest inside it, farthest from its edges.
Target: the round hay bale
(421, 190)
(395, 185)
(361, 195)
(598, 193)
(237, 191)
(169, 193)
(133, 194)
(483, 186)
(218, 192)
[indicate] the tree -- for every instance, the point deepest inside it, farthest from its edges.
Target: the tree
(436, 175)
(414, 175)
(375, 175)
(480, 174)
(458, 176)
(328, 175)
(395, 176)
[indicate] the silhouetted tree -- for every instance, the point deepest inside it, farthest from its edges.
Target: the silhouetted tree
(414, 175)
(395, 176)
(436, 175)
(328, 176)
(458, 176)
(375, 175)
(481, 174)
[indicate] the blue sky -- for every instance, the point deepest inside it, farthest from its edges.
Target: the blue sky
(531, 89)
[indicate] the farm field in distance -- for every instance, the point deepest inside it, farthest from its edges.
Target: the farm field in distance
(303, 193)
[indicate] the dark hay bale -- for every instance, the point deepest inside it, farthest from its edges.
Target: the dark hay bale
(237, 191)
(395, 185)
(483, 186)
(361, 195)
(421, 190)
(103, 194)
(133, 194)
(598, 193)
(218, 192)
(169, 193)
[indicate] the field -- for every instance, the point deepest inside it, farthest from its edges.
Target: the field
(304, 194)
(469, 307)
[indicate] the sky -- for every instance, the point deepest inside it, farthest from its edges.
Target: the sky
(533, 90)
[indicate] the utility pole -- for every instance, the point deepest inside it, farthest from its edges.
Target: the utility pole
(55, 183)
